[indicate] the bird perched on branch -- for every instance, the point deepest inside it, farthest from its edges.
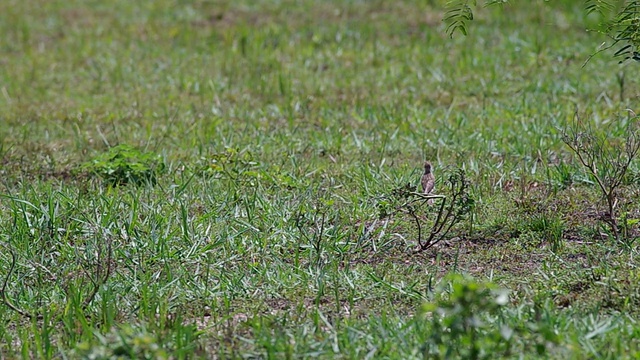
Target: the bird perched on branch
(428, 180)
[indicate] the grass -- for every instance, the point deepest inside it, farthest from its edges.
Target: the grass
(279, 127)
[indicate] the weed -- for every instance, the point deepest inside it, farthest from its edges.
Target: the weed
(230, 162)
(124, 164)
(551, 226)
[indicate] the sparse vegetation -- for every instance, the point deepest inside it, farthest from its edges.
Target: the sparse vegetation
(256, 205)
(607, 154)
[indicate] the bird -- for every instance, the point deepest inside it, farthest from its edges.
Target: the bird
(428, 180)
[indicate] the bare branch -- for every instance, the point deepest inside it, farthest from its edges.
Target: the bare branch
(451, 208)
(606, 159)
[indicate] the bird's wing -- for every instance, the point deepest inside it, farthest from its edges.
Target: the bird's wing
(428, 183)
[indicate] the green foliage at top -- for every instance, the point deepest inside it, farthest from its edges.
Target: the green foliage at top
(457, 16)
(124, 164)
(604, 8)
(620, 20)
(625, 29)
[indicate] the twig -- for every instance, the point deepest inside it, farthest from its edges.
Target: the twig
(594, 151)
(450, 210)
(5, 300)
(99, 281)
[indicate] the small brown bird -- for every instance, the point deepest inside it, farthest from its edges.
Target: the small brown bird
(428, 180)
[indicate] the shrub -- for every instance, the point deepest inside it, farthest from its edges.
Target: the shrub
(124, 164)
(606, 158)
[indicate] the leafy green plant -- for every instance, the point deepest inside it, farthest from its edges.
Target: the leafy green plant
(470, 319)
(458, 15)
(460, 316)
(124, 164)
(125, 343)
(315, 220)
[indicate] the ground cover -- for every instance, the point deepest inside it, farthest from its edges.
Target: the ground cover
(221, 179)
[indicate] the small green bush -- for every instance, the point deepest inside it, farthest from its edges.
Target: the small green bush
(124, 164)
(459, 316)
(470, 320)
(124, 343)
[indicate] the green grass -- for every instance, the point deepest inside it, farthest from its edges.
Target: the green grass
(278, 127)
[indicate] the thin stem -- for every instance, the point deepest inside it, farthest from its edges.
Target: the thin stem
(5, 300)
